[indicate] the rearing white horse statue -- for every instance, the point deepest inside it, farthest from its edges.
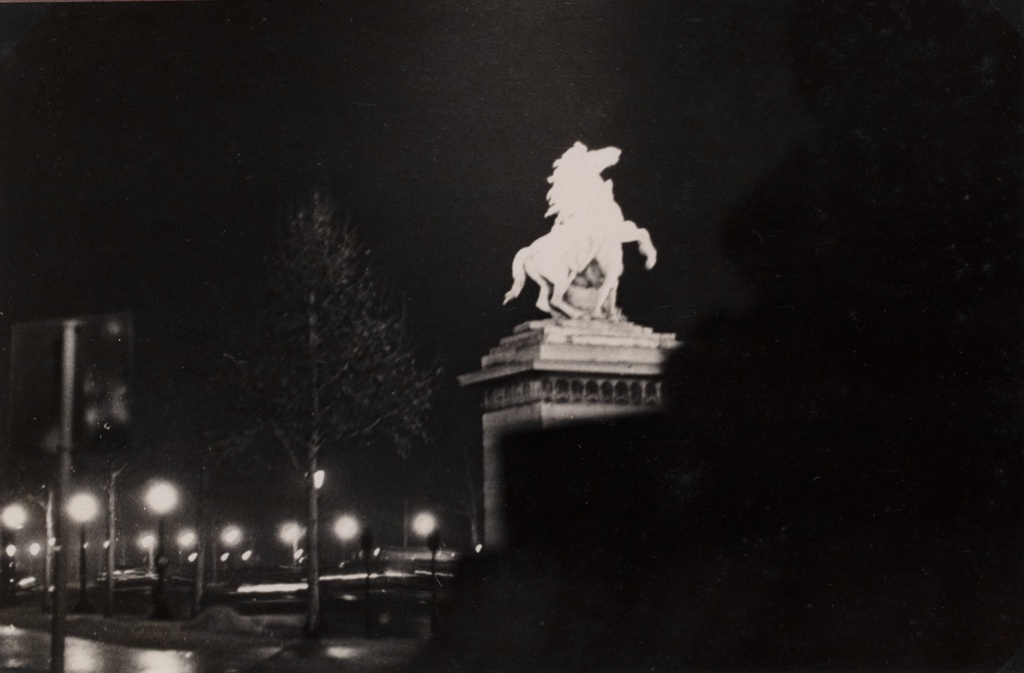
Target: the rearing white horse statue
(589, 227)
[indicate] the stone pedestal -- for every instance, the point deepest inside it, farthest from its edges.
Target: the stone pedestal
(551, 373)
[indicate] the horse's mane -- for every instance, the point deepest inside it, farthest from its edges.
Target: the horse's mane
(576, 186)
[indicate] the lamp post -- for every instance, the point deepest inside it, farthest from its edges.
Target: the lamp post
(366, 544)
(186, 540)
(290, 533)
(433, 544)
(147, 541)
(82, 508)
(162, 497)
(425, 525)
(12, 518)
(346, 528)
(33, 552)
(230, 537)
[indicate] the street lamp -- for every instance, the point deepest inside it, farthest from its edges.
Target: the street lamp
(82, 507)
(291, 533)
(346, 528)
(12, 518)
(186, 540)
(230, 536)
(33, 551)
(162, 497)
(147, 541)
(424, 524)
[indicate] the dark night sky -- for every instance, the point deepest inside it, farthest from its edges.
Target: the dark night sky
(149, 152)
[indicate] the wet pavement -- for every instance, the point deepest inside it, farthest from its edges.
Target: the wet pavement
(26, 650)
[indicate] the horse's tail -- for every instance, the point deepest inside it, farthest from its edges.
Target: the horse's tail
(518, 275)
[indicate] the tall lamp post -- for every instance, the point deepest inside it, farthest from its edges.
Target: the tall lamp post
(12, 518)
(161, 498)
(230, 537)
(82, 508)
(290, 533)
(346, 528)
(186, 540)
(366, 544)
(425, 525)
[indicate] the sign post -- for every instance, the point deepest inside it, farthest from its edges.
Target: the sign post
(60, 527)
(69, 392)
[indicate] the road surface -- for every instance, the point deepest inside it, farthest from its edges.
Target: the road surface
(24, 650)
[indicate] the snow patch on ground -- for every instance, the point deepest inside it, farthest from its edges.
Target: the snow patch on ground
(221, 619)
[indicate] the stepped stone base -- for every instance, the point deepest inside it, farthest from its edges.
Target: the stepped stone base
(550, 373)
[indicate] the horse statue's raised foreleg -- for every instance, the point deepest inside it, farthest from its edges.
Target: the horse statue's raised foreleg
(628, 232)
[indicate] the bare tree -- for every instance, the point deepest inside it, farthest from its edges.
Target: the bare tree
(335, 371)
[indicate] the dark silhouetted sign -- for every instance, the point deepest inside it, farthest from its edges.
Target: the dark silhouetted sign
(103, 355)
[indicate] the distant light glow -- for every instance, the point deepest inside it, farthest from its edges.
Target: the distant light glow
(247, 554)
(424, 524)
(298, 554)
(83, 507)
(11, 550)
(376, 552)
(318, 479)
(224, 556)
(231, 535)
(479, 548)
(193, 556)
(14, 517)
(162, 497)
(147, 541)
(186, 538)
(291, 532)
(34, 549)
(346, 527)
(106, 544)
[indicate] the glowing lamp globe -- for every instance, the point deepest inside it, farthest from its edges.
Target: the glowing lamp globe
(346, 528)
(82, 507)
(186, 539)
(147, 541)
(231, 536)
(14, 517)
(34, 549)
(424, 524)
(161, 497)
(291, 532)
